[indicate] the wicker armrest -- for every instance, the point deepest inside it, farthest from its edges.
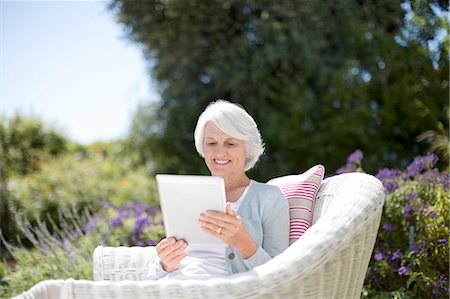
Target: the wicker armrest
(121, 263)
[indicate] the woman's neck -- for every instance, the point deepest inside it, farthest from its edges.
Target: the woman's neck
(235, 187)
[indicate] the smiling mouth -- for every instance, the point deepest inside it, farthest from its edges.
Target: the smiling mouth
(221, 162)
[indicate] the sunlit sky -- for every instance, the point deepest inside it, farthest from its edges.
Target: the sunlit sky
(70, 64)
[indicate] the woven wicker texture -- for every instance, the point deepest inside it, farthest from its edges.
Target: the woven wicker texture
(329, 261)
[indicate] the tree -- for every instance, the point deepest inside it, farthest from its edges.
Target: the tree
(321, 78)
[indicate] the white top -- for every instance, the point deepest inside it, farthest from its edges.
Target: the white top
(205, 264)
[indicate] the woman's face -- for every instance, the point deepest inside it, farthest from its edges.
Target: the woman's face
(224, 155)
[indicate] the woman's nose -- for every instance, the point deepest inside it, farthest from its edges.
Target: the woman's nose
(220, 150)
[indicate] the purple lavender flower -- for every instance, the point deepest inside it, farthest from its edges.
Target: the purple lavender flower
(117, 222)
(432, 214)
(379, 256)
(353, 161)
(429, 177)
(92, 224)
(395, 259)
(390, 186)
(402, 270)
(440, 286)
(408, 212)
(151, 242)
(445, 180)
(411, 196)
(140, 222)
(355, 157)
(396, 255)
(344, 169)
(442, 241)
(387, 173)
(387, 226)
(139, 209)
(420, 164)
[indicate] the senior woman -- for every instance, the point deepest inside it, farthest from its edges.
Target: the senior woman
(255, 226)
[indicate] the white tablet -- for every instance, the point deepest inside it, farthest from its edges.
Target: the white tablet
(183, 198)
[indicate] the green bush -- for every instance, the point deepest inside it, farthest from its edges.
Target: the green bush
(65, 250)
(77, 180)
(411, 255)
(59, 252)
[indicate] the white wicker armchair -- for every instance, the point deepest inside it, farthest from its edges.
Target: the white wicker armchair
(329, 261)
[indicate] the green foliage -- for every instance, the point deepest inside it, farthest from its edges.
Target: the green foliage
(412, 248)
(65, 250)
(64, 253)
(320, 78)
(24, 144)
(76, 180)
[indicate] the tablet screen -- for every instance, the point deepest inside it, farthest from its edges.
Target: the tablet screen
(183, 199)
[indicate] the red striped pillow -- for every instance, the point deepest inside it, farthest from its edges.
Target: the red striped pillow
(300, 190)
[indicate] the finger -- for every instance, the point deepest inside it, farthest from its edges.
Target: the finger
(170, 249)
(172, 252)
(230, 211)
(210, 226)
(173, 262)
(164, 243)
(174, 255)
(218, 218)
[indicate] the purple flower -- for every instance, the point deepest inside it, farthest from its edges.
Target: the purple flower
(407, 211)
(151, 242)
(139, 209)
(394, 259)
(445, 180)
(432, 214)
(440, 286)
(345, 169)
(379, 256)
(442, 241)
(402, 270)
(390, 186)
(117, 222)
(138, 227)
(387, 227)
(353, 161)
(429, 177)
(123, 211)
(420, 164)
(92, 224)
(411, 196)
(396, 255)
(355, 157)
(387, 173)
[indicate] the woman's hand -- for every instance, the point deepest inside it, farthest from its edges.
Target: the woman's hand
(171, 252)
(230, 228)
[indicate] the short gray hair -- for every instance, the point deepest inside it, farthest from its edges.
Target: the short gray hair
(233, 120)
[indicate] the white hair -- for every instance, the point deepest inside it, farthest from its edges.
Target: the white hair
(233, 120)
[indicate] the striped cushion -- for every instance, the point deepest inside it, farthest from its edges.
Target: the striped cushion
(300, 190)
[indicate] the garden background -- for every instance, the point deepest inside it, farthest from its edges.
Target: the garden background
(353, 85)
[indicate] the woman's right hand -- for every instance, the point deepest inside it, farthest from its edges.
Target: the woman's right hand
(171, 252)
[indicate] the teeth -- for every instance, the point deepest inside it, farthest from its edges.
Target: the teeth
(222, 161)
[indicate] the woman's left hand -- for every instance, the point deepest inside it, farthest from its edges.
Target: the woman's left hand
(230, 228)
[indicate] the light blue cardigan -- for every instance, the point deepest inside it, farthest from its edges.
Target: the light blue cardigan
(265, 213)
